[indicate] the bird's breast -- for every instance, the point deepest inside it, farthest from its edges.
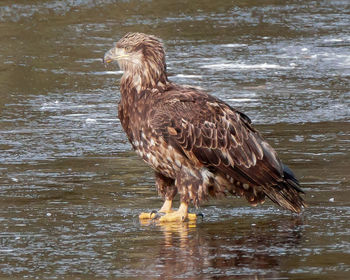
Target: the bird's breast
(161, 156)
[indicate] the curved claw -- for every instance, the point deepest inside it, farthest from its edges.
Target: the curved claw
(147, 216)
(200, 215)
(193, 217)
(157, 215)
(153, 214)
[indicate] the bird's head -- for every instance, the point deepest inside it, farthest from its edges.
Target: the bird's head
(141, 57)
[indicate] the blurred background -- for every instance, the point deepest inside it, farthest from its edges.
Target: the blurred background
(71, 188)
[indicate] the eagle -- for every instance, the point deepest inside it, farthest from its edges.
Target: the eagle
(198, 145)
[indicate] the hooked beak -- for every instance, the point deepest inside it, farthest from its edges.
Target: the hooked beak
(113, 54)
(109, 56)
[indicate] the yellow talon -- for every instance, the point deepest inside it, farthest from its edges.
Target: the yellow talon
(172, 217)
(145, 216)
(181, 215)
(178, 217)
(166, 208)
(191, 217)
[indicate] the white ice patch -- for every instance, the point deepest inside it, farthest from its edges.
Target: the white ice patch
(334, 40)
(188, 76)
(241, 99)
(242, 66)
(233, 45)
(101, 73)
(90, 121)
(50, 105)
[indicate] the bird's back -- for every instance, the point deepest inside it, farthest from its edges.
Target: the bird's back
(184, 128)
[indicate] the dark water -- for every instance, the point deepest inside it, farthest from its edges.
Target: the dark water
(71, 188)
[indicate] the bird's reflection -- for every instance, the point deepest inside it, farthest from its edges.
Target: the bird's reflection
(224, 250)
(177, 233)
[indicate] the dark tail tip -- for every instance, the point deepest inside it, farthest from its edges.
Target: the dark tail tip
(290, 178)
(287, 193)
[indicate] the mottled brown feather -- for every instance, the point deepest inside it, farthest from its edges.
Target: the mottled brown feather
(243, 153)
(196, 143)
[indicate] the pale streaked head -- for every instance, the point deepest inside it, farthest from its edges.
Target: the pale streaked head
(135, 50)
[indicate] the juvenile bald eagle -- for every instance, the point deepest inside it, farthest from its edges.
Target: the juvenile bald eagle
(198, 145)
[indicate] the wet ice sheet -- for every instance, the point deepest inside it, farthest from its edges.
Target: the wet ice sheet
(71, 189)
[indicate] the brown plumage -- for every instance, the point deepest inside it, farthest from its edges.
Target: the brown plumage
(198, 145)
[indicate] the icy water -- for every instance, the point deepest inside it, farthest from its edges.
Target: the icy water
(71, 188)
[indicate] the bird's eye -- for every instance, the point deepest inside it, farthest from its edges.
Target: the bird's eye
(128, 48)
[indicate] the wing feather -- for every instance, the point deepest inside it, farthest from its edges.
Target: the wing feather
(213, 131)
(218, 136)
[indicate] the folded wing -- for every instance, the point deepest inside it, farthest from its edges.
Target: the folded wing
(214, 135)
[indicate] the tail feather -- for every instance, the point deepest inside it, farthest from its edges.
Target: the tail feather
(287, 193)
(290, 177)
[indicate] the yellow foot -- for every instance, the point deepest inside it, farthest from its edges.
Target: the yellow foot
(180, 215)
(166, 214)
(145, 216)
(166, 208)
(173, 217)
(177, 217)
(153, 215)
(191, 217)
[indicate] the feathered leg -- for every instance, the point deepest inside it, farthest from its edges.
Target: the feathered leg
(167, 189)
(177, 216)
(166, 208)
(186, 186)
